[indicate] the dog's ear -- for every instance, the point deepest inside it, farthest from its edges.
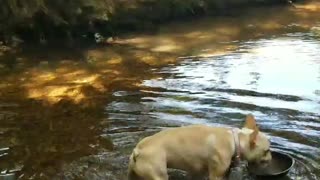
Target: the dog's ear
(253, 137)
(250, 122)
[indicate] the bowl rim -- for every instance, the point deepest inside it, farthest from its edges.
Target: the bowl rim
(277, 173)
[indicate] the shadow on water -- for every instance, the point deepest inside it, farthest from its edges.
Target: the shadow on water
(78, 115)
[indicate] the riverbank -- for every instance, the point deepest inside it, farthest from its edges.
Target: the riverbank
(63, 23)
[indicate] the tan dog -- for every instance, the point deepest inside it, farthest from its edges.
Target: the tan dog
(197, 149)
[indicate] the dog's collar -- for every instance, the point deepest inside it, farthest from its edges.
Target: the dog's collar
(235, 134)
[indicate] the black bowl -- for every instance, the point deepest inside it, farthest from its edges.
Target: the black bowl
(279, 166)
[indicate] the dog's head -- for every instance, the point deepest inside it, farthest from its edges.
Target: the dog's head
(258, 144)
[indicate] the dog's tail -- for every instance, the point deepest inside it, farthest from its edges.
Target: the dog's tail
(132, 175)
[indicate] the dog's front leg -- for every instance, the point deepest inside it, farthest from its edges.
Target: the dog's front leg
(216, 174)
(217, 171)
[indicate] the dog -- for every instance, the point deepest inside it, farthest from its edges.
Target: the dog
(198, 149)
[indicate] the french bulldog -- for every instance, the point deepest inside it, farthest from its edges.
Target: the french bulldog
(198, 149)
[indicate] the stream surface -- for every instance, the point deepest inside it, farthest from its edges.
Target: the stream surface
(273, 74)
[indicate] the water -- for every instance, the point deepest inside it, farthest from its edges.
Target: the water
(270, 78)
(67, 116)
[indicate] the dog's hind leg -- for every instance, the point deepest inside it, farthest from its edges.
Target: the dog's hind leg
(148, 175)
(159, 177)
(155, 171)
(133, 176)
(145, 166)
